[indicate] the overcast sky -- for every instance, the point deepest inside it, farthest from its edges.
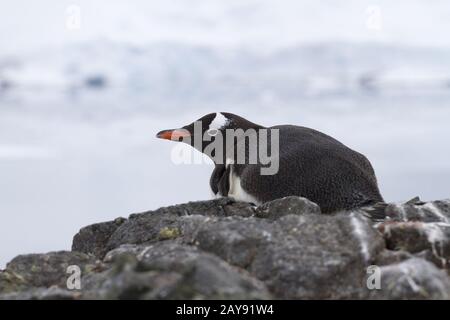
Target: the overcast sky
(264, 24)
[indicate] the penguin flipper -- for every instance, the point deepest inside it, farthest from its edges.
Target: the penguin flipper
(219, 181)
(216, 175)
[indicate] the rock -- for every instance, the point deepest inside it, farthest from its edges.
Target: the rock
(221, 207)
(183, 220)
(416, 237)
(430, 256)
(387, 257)
(93, 239)
(43, 270)
(165, 270)
(413, 279)
(155, 226)
(299, 257)
(316, 257)
(168, 270)
(162, 224)
(222, 249)
(52, 293)
(289, 205)
(416, 210)
(235, 239)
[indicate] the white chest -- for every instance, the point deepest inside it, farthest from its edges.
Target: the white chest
(236, 191)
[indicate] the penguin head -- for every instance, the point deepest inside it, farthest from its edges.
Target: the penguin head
(204, 131)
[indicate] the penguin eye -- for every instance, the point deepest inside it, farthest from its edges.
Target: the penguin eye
(212, 132)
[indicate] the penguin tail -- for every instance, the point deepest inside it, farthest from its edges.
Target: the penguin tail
(375, 212)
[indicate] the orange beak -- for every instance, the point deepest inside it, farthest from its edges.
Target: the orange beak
(174, 134)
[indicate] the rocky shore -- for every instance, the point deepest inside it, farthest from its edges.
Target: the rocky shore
(221, 249)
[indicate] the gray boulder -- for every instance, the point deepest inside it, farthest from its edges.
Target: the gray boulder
(173, 222)
(413, 279)
(168, 270)
(288, 205)
(43, 270)
(222, 249)
(428, 240)
(93, 239)
(287, 243)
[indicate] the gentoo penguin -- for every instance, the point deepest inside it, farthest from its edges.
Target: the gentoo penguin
(310, 164)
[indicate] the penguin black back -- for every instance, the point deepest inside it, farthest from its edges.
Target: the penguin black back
(318, 167)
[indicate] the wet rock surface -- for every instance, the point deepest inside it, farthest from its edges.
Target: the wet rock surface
(221, 249)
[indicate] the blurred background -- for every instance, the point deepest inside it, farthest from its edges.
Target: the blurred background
(85, 85)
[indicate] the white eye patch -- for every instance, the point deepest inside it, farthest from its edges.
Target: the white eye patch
(219, 122)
